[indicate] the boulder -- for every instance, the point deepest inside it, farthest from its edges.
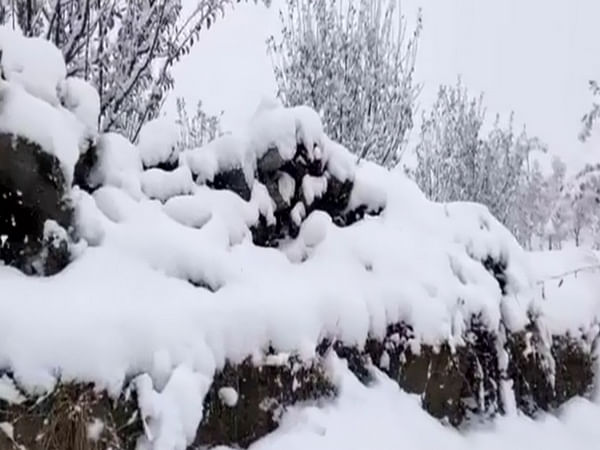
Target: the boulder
(270, 162)
(84, 169)
(35, 208)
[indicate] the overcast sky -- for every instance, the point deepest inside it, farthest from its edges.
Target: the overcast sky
(533, 57)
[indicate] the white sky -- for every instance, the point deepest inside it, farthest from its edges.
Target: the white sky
(533, 57)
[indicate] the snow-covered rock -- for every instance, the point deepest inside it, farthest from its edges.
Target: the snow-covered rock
(157, 144)
(33, 194)
(56, 130)
(267, 256)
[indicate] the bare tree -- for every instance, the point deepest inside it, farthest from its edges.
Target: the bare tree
(457, 162)
(353, 61)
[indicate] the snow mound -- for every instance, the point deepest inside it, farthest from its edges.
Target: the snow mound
(224, 153)
(82, 99)
(157, 142)
(34, 63)
(33, 76)
(119, 165)
(55, 129)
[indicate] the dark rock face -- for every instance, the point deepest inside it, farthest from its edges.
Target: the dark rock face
(263, 394)
(169, 163)
(233, 180)
(449, 381)
(334, 201)
(270, 162)
(546, 378)
(168, 166)
(33, 191)
(84, 168)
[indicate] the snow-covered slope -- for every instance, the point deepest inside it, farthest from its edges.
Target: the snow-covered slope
(273, 245)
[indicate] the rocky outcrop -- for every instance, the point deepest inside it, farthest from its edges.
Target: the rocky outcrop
(36, 210)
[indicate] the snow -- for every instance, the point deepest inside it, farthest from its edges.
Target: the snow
(94, 430)
(298, 213)
(286, 186)
(314, 229)
(8, 430)
(309, 129)
(340, 162)
(82, 99)
(55, 129)
(273, 128)
(367, 190)
(119, 165)
(171, 416)
(9, 392)
(313, 188)
(224, 153)
(158, 141)
(34, 76)
(263, 202)
(228, 396)
(162, 185)
(34, 63)
(569, 282)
